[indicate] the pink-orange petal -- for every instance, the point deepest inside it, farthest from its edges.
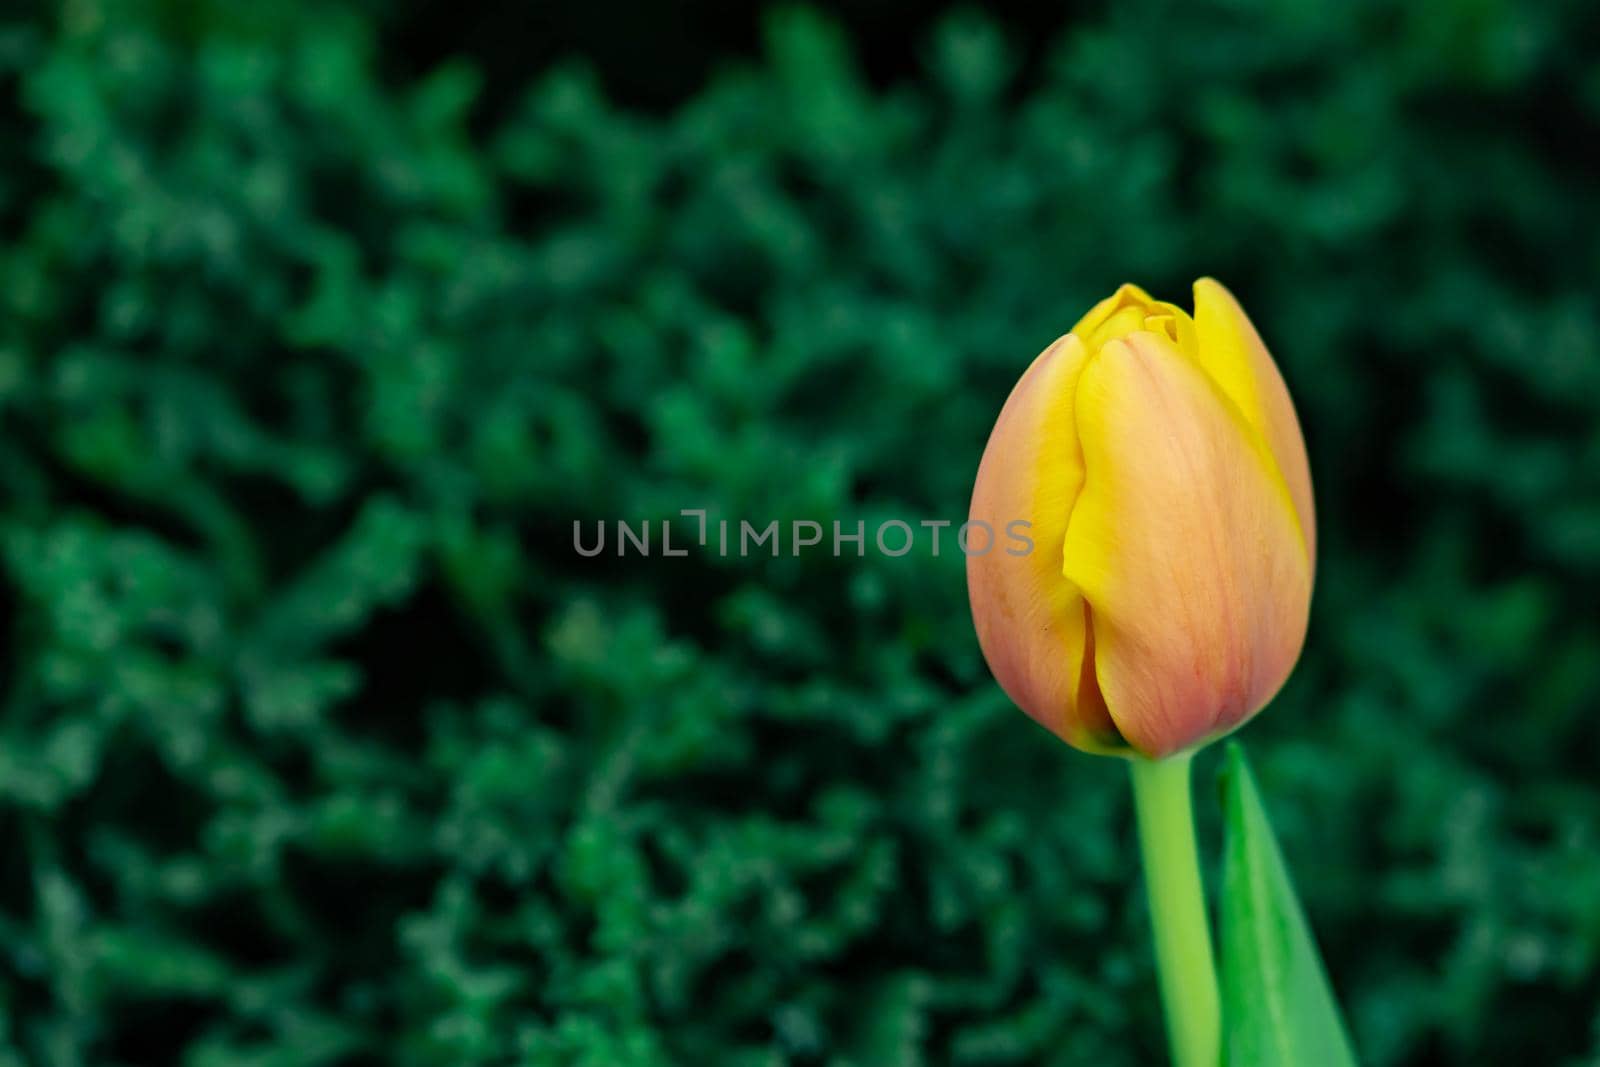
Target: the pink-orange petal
(1030, 621)
(1186, 546)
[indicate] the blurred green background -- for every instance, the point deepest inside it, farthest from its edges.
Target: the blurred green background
(321, 322)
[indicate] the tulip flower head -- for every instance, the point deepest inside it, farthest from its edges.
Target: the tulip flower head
(1159, 460)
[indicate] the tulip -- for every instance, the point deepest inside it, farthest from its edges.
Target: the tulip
(1158, 458)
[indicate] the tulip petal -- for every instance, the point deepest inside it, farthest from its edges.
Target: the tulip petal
(1233, 354)
(1127, 295)
(1031, 624)
(1186, 545)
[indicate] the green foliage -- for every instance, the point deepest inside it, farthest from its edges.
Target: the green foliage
(1277, 1007)
(319, 744)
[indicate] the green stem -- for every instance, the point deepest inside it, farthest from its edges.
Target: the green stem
(1178, 910)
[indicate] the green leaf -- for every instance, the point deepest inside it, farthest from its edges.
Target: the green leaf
(1278, 1008)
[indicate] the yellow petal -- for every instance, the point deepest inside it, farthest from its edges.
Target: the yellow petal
(1186, 546)
(1127, 296)
(1234, 356)
(1030, 623)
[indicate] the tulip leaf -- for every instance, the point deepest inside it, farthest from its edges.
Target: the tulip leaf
(1278, 1008)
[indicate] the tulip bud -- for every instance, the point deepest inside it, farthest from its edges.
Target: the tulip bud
(1160, 463)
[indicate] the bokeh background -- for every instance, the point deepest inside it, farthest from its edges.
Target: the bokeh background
(320, 322)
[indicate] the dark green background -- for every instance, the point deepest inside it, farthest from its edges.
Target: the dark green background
(320, 323)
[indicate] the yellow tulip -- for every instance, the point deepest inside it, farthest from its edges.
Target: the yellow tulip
(1159, 462)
